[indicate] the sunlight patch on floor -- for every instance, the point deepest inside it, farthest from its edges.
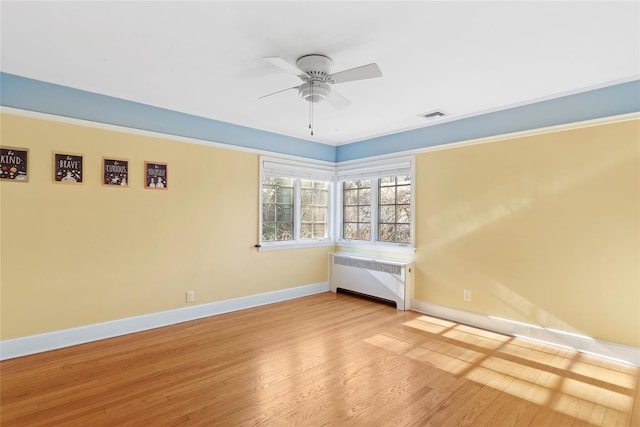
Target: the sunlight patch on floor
(474, 339)
(598, 395)
(551, 360)
(581, 386)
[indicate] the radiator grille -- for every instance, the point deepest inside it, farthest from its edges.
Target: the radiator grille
(368, 264)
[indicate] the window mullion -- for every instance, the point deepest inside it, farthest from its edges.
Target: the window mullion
(297, 200)
(374, 209)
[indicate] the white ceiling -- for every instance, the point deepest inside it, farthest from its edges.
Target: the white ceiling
(205, 58)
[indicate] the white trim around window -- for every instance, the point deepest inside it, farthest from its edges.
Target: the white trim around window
(299, 173)
(373, 171)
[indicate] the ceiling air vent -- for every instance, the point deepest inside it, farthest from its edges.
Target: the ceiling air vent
(432, 114)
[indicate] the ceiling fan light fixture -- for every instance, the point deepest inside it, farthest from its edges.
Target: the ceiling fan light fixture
(314, 91)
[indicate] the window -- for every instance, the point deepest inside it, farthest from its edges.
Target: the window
(277, 208)
(394, 209)
(314, 209)
(356, 205)
(295, 203)
(377, 202)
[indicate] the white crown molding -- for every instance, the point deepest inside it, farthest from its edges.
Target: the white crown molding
(446, 119)
(538, 131)
(503, 137)
(152, 134)
(448, 146)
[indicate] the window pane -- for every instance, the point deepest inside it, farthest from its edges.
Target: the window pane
(284, 213)
(387, 233)
(314, 208)
(351, 214)
(320, 197)
(277, 208)
(269, 213)
(356, 210)
(403, 233)
(404, 194)
(403, 214)
(306, 196)
(387, 195)
(268, 232)
(306, 214)
(319, 231)
(364, 196)
(305, 231)
(350, 230)
(272, 180)
(387, 180)
(284, 231)
(364, 232)
(351, 197)
(320, 214)
(285, 195)
(268, 194)
(387, 214)
(364, 214)
(394, 211)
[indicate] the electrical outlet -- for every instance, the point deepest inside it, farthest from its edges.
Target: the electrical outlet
(467, 295)
(191, 296)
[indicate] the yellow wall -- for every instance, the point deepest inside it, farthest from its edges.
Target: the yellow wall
(542, 229)
(75, 255)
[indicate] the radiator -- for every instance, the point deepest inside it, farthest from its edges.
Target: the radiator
(385, 279)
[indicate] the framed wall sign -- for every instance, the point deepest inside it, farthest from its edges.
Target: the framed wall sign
(68, 168)
(155, 175)
(13, 164)
(115, 172)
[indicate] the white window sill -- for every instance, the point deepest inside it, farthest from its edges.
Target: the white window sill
(397, 248)
(281, 246)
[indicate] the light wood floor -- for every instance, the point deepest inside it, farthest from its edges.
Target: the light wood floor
(328, 359)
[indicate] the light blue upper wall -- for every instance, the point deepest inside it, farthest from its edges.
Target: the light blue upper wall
(33, 95)
(605, 102)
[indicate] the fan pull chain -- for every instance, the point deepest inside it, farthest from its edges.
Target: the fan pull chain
(311, 111)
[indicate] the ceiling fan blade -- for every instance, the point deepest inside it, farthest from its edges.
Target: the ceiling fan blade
(283, 90)
(284, 65)
(369, 71)
(337, 101)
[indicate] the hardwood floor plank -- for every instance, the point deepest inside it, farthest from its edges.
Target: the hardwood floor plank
(322, 360)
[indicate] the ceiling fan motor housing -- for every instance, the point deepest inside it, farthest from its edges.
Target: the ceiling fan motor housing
(314, 91)
(317, 68)
(315, 63)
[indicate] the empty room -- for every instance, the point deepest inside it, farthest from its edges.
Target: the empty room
(320, 213)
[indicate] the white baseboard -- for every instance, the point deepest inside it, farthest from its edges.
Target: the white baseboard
(606, 349)
(32, 344)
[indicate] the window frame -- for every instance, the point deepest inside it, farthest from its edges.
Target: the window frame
(375, 171)
(298, 171)
(335, 175)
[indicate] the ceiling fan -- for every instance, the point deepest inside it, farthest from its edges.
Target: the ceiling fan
(315, 72)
